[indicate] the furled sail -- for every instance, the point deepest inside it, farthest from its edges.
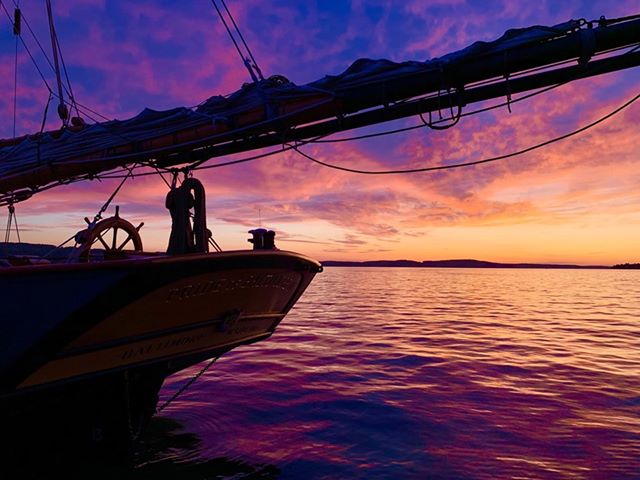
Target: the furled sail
(275, 110)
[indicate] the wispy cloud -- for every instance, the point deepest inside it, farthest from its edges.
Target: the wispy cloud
(125, 56)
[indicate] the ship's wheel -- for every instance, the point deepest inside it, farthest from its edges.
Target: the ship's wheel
(112, 235)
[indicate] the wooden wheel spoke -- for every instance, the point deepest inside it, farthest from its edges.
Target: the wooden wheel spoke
(115, 238)
(125, 242)
(99, 237)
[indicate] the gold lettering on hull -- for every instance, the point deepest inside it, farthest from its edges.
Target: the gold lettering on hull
(201, 339)
(280, 281)
(158, 347)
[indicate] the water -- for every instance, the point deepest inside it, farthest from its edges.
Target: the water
(401, 373)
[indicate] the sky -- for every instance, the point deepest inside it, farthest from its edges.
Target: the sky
(575, 201)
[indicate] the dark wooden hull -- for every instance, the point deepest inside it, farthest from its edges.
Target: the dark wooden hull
(97, 333)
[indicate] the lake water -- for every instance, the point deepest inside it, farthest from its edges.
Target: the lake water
(402, 373)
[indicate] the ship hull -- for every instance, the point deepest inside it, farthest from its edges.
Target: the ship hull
(97, 333)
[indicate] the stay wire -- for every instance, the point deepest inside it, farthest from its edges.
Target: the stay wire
(427, 124)
(46, 111)
(68, 90)
(72, 97)
(60, 245)
(26, 47)
(120, 173)
(255, 64)
(464, 114)
(191, 381)
(10, 222)
(474, 162)
(44, 52)
(15, 220)
(244, 60)
(15, 82)
(62, 111)
(98, 215)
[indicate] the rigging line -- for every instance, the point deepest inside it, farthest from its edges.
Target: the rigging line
(59, 246)
(244, 60)
(162, 177)
(44, 53)
(10, 221)
(116, 174)
(66, 75)
(191, 381)
(464, 114)
(608, 21)
(15, 220)
(46, 111)
(115, 192)
(15, 79)
(208, 167)
(62, 113)
(24, 44)
(7, 231)
(254, 157)
(475, 162)
(423, 125)
(46, 56)
(255, 64)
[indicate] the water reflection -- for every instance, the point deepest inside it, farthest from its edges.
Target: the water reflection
(166, 451)
(420, 373)
(413, 374)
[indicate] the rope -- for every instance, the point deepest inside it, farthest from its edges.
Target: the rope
(245, 61)
(13, 219)
(44, 53)
(62, 113)
(16, 32)
(7, 231)
(24, 44)
(296, 147)
(46, 110)
(191, 381)
(430, 124)
(69, 90)
(472, 112)
(59, 246)
(98, 215)
(474, 162)
(255, 64)
(66, 76)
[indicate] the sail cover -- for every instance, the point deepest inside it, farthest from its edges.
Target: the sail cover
(33, 162)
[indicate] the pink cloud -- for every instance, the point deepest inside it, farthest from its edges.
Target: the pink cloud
(158, 55)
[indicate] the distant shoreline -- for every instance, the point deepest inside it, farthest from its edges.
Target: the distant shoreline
(43, 249)
(468, 263)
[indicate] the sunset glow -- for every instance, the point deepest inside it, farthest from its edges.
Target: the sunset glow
(575, 201)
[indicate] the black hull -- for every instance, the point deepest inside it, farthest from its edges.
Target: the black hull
(86, 362)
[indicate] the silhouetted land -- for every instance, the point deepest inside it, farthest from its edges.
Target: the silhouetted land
(41, 250)
(464, 263)
(34, 249)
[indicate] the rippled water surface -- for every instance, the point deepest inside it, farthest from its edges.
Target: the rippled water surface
(422, 373)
